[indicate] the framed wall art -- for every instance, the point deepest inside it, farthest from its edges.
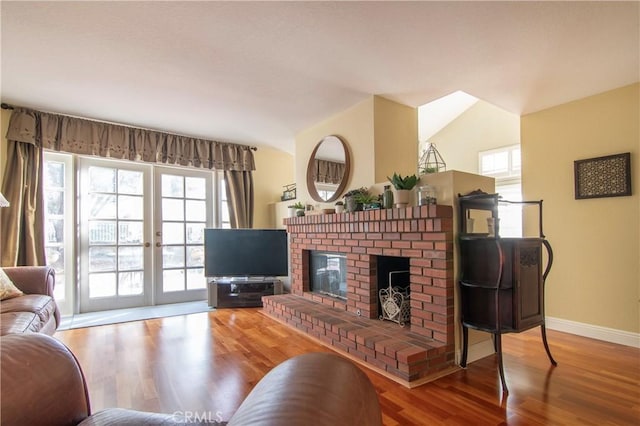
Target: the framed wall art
(608, 176)
(289, 192)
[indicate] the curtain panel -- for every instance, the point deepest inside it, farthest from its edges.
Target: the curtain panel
(22, 226)
(87, 137)
(326, 171)
(240, 198)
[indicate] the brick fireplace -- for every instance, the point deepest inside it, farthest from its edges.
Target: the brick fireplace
(414, 354)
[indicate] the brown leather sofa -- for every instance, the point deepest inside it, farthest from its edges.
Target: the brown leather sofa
(43, 384)
(34, 312)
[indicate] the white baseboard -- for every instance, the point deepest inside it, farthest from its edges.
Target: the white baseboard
(612, 335)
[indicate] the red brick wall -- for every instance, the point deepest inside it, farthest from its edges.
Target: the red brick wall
(423, 234)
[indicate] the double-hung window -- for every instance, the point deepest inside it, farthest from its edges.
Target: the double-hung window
(504, 165)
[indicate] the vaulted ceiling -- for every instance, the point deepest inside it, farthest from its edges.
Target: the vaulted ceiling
(259, 72)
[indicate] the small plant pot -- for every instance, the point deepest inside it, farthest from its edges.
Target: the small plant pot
(402, 197)
(339, 208)
(351, 204)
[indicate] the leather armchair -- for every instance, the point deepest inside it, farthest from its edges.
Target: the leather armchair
(36, 311)
(43, 384)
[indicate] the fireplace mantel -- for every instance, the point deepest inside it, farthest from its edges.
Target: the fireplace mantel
(422, 234)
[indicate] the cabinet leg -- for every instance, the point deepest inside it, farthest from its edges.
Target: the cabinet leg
(498, 340)
(543, 330)
(465, 343)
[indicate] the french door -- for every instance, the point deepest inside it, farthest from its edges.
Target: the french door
(141, 234)
(183, 209)
(115, 235)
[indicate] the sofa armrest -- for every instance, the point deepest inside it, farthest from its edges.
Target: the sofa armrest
(42, 382)
(33, 279)
(319, 389)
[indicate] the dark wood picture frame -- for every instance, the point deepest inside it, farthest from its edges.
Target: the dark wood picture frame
(608, 176)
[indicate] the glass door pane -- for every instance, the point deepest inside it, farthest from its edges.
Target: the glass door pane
(114, 203)
(183, 211)
(59, 230)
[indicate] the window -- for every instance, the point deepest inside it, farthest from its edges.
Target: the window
(501, 162)
(505, 166)
(59, 216)
(66, 204)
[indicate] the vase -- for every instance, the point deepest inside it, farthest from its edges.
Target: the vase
(387, 197)
(402, 197)
(339, 208)
(292, 211)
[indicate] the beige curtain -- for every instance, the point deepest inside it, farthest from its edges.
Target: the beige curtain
(87, 137)
(326, 171)
(22, 225)
(239, 186)
(30, 131)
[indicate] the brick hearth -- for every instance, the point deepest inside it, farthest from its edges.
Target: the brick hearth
(424, 235)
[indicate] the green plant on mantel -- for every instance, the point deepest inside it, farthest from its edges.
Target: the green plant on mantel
(356, 192)
(366, 198)
(297, 206)
(399, 182)
(428, 170)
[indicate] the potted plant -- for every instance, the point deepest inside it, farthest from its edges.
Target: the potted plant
(368, 201)
(351, 200)
(294, 209)
(339, 206)
(428, 170)
(403, 186)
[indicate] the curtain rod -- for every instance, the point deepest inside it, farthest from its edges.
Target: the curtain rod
(10, 107)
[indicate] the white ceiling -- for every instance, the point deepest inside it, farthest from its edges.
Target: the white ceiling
(259, 72)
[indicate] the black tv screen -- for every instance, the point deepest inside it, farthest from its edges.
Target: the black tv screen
(245, 252)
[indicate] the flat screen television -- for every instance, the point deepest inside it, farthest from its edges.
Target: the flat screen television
(245, 253)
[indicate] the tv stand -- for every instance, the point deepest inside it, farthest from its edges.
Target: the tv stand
(241, 292)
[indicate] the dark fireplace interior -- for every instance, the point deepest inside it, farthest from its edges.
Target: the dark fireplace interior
(328, 273)
(387, 264)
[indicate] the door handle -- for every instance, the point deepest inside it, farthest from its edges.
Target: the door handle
(147, 244)
(158, 244)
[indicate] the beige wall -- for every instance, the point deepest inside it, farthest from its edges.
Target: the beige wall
(274, 169)
(355, 126)
(4, 125)
(596, 277)
(381, 136)
(396, 138)
(481, 127)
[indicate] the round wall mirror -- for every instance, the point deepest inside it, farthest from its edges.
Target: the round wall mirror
(328, 169)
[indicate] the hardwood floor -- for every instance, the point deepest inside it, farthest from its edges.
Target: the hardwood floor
(209, 362)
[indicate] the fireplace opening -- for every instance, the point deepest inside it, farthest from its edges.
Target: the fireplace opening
(393, 288)
(328, 273)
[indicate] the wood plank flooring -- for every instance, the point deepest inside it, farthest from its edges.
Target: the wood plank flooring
(209, 362)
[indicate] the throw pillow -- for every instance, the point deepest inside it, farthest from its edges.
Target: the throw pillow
(7, 288)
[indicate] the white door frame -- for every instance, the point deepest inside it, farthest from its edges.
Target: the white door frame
(160, 296)
(86, 303)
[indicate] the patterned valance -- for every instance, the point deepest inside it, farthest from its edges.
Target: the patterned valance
(87, 137)
(326, 171)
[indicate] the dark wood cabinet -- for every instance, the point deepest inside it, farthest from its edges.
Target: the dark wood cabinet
(512, 266)
(227, 293)
(501, 279)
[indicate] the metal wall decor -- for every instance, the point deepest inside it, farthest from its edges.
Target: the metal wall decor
(289, 192)
(608, 176)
